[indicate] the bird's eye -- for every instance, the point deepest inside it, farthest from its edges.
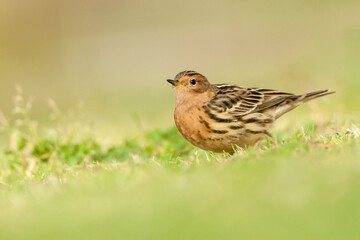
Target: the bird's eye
(193, 81)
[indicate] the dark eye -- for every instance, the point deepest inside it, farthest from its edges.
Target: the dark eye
(193, 81)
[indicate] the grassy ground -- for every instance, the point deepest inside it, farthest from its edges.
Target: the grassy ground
(118, 177)
(63, 182)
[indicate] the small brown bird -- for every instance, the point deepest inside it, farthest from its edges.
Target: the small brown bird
(219, 117)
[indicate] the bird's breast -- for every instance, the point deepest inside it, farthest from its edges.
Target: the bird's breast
(189, 123)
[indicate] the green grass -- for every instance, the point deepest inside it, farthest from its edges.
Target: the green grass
(65, 178)
(64, 182)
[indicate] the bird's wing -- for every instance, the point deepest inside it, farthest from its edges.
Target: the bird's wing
(239, 101)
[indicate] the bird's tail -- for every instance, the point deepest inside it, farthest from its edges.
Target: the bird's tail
(310, 96)
(297, 100)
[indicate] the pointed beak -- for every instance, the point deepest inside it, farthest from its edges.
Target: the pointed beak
(174, 82)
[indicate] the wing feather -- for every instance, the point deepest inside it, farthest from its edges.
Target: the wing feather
(239, 101)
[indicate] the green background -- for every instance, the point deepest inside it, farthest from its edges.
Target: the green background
(104, 160)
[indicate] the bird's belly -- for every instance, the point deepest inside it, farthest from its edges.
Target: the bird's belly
(230, 143)
(195, 126)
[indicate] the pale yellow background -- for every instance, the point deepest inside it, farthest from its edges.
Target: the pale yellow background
(114, 56)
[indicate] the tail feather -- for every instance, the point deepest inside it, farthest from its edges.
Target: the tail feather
(298, 100)
(310, 96)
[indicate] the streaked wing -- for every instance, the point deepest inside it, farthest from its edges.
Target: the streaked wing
(238, 101)
(272, 98)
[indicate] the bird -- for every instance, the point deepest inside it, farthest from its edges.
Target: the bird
(225, 117)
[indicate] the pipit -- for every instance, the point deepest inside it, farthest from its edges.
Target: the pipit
(219, 117)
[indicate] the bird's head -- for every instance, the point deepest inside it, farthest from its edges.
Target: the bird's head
(190, 82)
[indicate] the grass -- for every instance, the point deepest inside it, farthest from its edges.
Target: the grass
(65, 178)
(64, 182)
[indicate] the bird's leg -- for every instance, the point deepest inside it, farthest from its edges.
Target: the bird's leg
(257, 142)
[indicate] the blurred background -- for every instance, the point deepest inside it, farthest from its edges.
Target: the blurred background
(114, 56)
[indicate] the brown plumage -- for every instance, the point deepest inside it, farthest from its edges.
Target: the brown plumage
(219, 117)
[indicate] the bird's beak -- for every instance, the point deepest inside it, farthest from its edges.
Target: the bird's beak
(174, 82)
